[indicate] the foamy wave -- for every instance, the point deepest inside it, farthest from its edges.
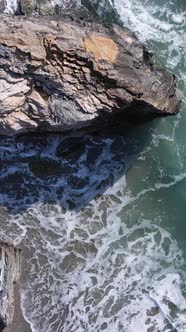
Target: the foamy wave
(11, 6)
(92, 268)
(164, 27)
(102, 273)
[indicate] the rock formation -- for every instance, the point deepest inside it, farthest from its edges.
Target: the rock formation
(41, 7)
(48, 7)
(10, 267)
(59, 75)
(92, 8)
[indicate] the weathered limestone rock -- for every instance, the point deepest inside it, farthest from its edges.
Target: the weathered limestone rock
(41, 7)
(10, 269)
(92, 8)
(2, 6)
(59, 75)
(47, 7)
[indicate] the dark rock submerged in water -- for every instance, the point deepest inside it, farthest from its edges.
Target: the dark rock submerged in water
(60, 75)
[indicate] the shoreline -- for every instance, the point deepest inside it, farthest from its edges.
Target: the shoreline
(19, 324)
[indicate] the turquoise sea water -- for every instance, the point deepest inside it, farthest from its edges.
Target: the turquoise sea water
(162, 26)
(103, 219)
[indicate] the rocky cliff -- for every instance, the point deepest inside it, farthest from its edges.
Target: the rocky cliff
(92, 8)
(59, 75)
(10, 267)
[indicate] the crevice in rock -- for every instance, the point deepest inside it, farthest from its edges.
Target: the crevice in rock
(10, 270)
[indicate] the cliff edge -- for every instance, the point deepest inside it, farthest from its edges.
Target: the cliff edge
(57, 74)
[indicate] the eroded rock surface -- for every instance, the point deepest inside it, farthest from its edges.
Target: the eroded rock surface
(10, 269)
(59, 75)
(92, 8)
(41, 7)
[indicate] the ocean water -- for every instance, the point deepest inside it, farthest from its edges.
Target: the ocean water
(102, 219)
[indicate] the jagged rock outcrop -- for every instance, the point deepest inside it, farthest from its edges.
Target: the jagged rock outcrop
(48, 7)
(41, 7)
(95, 8)
(2, 6)
(59, 75)
(10, 269)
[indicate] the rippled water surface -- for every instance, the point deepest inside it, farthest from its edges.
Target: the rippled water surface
(103, 218)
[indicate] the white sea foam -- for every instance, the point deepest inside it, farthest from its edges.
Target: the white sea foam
(92, 268)
(11, 6)
(162, 26)
(118, 276)
(64, 4)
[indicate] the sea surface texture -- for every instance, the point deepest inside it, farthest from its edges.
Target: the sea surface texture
(102, 219)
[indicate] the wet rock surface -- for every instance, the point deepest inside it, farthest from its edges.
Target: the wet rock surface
(59, 75)
(94, 9)
(10, 269)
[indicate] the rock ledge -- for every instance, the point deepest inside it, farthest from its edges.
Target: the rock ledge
(10, 270)
(60, 75)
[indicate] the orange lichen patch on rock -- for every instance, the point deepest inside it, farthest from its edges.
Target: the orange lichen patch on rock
(102, 48)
